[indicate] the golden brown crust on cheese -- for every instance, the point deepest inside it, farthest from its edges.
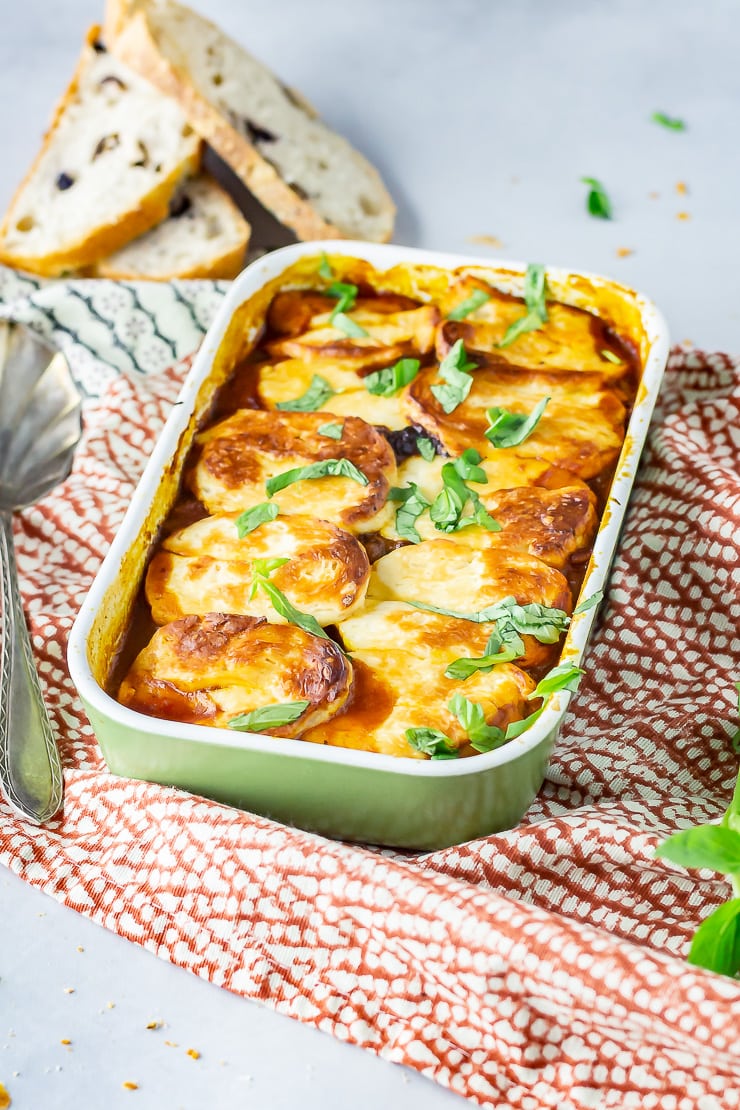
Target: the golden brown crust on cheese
(240, 453)
(580, 430)
(390, 336)
(210, 669)
(206, 568)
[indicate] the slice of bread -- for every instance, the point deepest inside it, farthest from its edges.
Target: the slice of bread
(310, 178)
(205, 236)
(109, 166)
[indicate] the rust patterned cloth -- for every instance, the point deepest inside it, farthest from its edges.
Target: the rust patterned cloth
(539, 968)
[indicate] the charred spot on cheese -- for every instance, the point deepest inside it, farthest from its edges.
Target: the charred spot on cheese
(239, 454)
(581, 430)
(397, 691)
(206, 568)
(209, 669)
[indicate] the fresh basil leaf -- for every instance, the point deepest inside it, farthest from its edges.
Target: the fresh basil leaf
(516, 728)
(671, 122)
(269, 716)
(325, 270)
(387, 382)
(715, 847)
(331, 431)
(432, 742)
(454, 370)
(589, 602)
(346, 295)
(540, 621)
(446, 509)
(477, 298)
(509, 429)
(288, 611)
(412, 504)
(263, 568)
(483, 737)
(426, 448)
(252, 518)
(566, 676)
(611, 357)
(481, 517)
(462, 668)
(317, 394)
(597, 201)
(348, 326)
(467, 467)
(535, 291)
(322, 469)
(716, 943)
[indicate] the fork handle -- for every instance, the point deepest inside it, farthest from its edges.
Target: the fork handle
(30, 768)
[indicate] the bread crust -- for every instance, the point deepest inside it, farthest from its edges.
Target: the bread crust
(105, 240)
(136, 45)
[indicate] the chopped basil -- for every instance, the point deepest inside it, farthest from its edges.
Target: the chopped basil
(447, 509)
(346, 295)
(252, 518)
(385, 383)
(468, 469)
(483, 737)
(494, 654)
(432, 742)
(270, 716)
(512, 620)
(566, 676)
(611, 357)
(481, 516)
(509, 429)
(597, 201)
(588, 603)
(454, 370)
(322, 469)
(671, 122)
(477, 298)
(426, 448)
(412, 504)
(331, 431)
(535, 292)
(516, 728)
(317, 394)
(348, 326)
(261, 571)
(325, 270)
(449, 504)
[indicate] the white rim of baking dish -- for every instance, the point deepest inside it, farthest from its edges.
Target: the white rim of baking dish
(380, 256)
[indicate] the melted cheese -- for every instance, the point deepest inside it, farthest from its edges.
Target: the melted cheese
(390, 336)
(206, 568)
(208, 670)
(285, 381)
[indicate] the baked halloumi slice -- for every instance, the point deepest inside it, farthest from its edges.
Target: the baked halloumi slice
(284, 383)
(570, 339)
(293, 311)
(388, 337)
(207, 568)
(239, 455)
(396, 691)
(208, 670)
(580, 429)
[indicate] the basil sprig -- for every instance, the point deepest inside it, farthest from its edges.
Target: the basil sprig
(454, 370)
(317, 394)
(348, 326)
(512, 620)
(716, 943)
(597, 200)
(261, 571)
(426, 448)
(322, 469)
(495, 653)
(535, 291)
(509, 429)
(325, 270)
(387, 382)
(252, 518)
(477, 298)
(331, 431)
(412, 504)
(449, 504)
(588, 602)
(673, 123)
(471, 715)
(431, 742)
(269, 716)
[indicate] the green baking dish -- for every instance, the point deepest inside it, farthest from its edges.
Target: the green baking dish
(342, 793)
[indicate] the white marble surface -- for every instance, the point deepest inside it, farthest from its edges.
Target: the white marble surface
(482, 117)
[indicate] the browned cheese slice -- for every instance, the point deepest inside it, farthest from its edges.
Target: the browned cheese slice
(206, 568)
(395, 691)
(580, 430)
(208, 670)
(280, 383)
(239, 454)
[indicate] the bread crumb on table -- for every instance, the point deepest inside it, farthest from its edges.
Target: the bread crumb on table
(486, 241)
(624, 252)
(683, 215)
(681, 188)
(128, 1085)
(69, 990)
(5, 1099)
(65, 1041)
(193, 1054)
(172, 1044)
(154, 1024)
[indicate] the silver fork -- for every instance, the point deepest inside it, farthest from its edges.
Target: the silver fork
(40, 427)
